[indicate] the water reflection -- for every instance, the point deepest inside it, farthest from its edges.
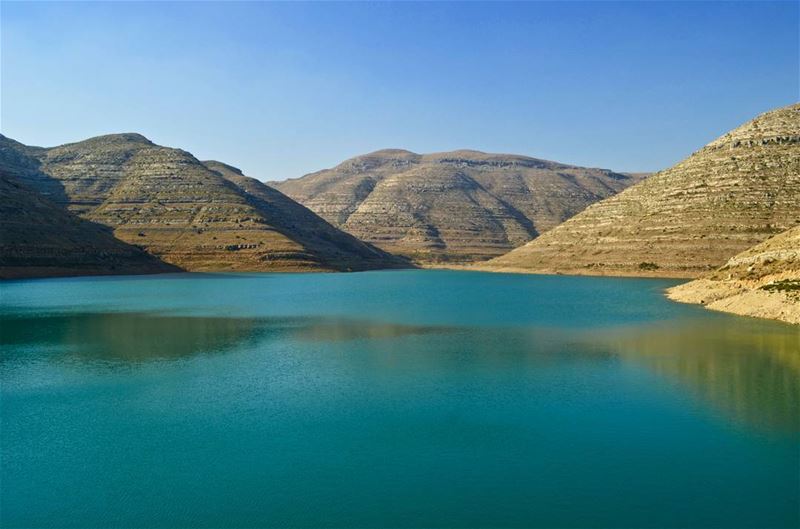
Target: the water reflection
(338, 330)
(129, 337)
(139, 337)
(750, 371)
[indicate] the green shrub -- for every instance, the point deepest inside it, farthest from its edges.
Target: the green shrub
(787, 285)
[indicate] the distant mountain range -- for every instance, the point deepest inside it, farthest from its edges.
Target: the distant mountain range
(460, 206)
(730, 195)
(185, 213)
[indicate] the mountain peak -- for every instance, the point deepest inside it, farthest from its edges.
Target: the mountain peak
(120, 137)
(123, 140)
(389, 153)
(775, 126)
(215, 165)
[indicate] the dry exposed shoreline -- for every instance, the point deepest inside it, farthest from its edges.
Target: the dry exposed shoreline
(593, 272)
(745, 298)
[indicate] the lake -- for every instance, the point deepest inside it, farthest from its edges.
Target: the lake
(391, 399)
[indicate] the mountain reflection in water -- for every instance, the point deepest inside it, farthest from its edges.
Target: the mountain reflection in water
(129, 337)
(423, 398)
(139, 337)
(751, 377)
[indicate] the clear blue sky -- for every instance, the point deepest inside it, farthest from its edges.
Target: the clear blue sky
(282, 89)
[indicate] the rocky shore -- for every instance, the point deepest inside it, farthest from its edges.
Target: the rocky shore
(763, 281)
(775, 299)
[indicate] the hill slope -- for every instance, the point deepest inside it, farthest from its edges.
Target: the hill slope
(453, 206)
(732, 194)
(39, 239)
(183, 212)
(303, 225)
(762, 281)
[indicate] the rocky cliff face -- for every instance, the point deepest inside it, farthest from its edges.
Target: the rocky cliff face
(181, 211)
(734, 193)
(762, 281)
(454, 206)
(39, 239)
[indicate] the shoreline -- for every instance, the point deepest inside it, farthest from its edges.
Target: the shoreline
(743, 298)
(652, 274)
(740, 297)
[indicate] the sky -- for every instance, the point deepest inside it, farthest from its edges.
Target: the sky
(283, 89)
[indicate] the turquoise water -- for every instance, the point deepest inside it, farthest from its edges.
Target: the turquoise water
(391, 399)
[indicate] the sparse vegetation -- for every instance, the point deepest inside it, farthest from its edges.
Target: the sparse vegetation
(786, 285)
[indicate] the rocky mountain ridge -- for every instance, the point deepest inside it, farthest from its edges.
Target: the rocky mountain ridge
(458, 206)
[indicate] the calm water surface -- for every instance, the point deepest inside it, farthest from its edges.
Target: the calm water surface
(403, 399)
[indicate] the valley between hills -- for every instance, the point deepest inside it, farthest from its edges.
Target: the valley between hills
(727, 216)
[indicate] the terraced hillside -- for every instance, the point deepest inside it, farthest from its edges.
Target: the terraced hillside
(687, 220)
(40, 239)
(456, 206)
(183, 212)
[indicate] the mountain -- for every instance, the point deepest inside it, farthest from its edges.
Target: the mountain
(730, 195)
(304, 226)
(762, 281)
(38, 239)
(452, 206)
(183, 212)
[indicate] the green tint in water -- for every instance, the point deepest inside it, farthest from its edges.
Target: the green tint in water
(400, 399)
